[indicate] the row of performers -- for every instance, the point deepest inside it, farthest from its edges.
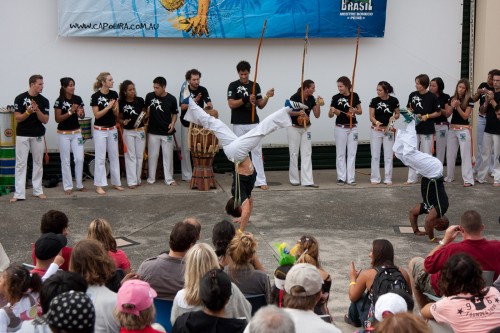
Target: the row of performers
(126, 109)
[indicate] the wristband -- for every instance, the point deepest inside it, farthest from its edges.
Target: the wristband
(427, 115)
(266, 97)
(432, 240)
(352, 283)
(70, 113)
(28, 113)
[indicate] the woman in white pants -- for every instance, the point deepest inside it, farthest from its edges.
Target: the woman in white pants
(384, 109)
(299, 137)
(440, 123)
(68, 108)
(460, 108)
(105, 108)
(132, 115)
(345, 107)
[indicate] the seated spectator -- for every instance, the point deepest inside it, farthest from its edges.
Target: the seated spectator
(360, 287)
(271, 319)
(195, 223)
(165, 273)
(55, 285)
(389, 304)
(199, 260)
(404, 322)
(72, 312)
(57, 222)
(47, 248)
(242, 250)
(4, 263)
(135, 310)
(90, 259)
(307, 251)
(303, 286)
(100, 230)
(426, 272)
(20, 289)
(278, 290)
(468, 306)
(215, 292)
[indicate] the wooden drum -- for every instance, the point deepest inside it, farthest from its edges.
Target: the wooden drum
(203, 145)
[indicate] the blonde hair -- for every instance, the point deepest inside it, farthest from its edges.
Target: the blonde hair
(90, 260)
(100, 79)
(134, 323)
(308, 250)
(100, 230)
(241, 250)
(200, 259)
(403, 322)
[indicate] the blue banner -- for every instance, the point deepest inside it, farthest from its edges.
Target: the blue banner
(221, 18)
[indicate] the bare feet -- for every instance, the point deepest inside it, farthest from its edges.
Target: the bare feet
(41, 196)
(68, 192)
(15, 200)
(173, 184)
(83, 189)
(99, 190)
(264, 187)
(420, 233)
(118, 188)
(132, 187)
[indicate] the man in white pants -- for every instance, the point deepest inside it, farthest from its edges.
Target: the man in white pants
(200, 95)
(237, 148)
(31, 112)
(161, 128)
(240, 100)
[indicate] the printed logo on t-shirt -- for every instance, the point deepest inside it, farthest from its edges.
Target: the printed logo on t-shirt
(155, 102)
(242, 90)
(384, 107)
(26, 102)
(343, 102)
(417, 102)
(102, 101)
(66, 106)
(130, 110)
(477, 306)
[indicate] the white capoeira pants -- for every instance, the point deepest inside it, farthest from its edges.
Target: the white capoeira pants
(299, 141)
(257, 159)
(377, 139)
(135, 140)
(346, 137)
(405, 148)
(481, 124)
(25, 144)
(235, 147)
(491, 143)
(459, 138)
(425, 143)
(441, 141)
(106, 141)
(167, 148)
(67, 143)
(187, 169)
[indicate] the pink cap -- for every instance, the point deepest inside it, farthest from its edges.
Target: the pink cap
(137, 295)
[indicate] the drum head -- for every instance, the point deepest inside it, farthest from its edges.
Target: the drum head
(92, 167)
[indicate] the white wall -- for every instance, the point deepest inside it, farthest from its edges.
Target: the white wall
(421, 37)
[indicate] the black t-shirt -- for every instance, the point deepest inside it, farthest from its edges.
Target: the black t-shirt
(101, 101)
(161, 111)
(492, 122)
(482, 98)
(443, 99)
(132, 110)
(246, 185)
(205, 98)
(65, 104)
(384, 109)
(424, 104)
(341, 102)
(31, 126)
(310, 102)
(243, 114)
(199, 321)
(456, 118)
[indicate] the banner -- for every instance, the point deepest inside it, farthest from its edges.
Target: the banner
(221, 18)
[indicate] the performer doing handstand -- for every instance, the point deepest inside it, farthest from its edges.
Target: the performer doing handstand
(435, 200)
(237, 148)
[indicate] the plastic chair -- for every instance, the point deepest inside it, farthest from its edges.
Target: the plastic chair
(163, 310)
(257, 301)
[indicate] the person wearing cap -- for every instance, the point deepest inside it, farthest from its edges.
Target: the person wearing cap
(135, 311)
(71, 311)
(389, 304)
(303, 286)
(47, 252)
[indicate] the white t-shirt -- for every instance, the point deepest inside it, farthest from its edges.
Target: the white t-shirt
(465, 313)
(308, 321)
(19, 308)
(104, 301)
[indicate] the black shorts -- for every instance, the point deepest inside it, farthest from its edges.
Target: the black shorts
(433, 196)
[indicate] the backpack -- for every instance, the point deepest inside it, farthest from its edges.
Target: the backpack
(388, 278)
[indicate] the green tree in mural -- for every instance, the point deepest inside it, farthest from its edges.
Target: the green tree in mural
(293, 6)
(244, 5)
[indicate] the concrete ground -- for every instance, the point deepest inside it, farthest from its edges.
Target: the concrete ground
(345, 219)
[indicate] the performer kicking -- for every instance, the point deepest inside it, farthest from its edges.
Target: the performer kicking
(435, 200)
(236, 148)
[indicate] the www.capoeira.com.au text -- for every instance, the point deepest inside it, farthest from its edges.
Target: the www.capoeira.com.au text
(113, 26)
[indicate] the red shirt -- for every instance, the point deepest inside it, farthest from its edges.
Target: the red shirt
(487, 253)
(65, 252)
(120, 259)
(40, 272)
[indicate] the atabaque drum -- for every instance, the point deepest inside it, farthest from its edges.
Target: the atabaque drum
(203, 145)
(86, 127)
(7, 127)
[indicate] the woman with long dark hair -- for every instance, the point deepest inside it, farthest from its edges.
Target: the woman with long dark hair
(468, 305)
(346, 131)
(460, 133)
(67, 109)
(441, 124)
(104, 104)
(384, 109)
(132, 115)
